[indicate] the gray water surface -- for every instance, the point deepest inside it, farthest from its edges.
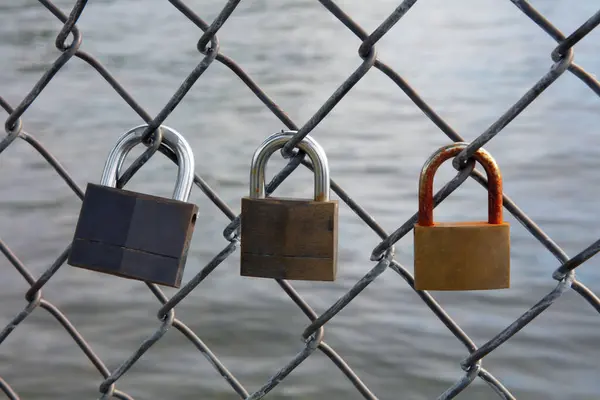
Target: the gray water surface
(470, 61)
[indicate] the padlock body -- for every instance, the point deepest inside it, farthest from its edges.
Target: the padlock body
(462, 256)
(289, 239)
(133, 235)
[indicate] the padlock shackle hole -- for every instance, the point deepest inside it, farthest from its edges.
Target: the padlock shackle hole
(313, 150)
(433, 163)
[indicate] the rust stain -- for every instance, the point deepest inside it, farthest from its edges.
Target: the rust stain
(428, 173)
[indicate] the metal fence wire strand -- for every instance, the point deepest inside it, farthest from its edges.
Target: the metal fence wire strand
(68, 41)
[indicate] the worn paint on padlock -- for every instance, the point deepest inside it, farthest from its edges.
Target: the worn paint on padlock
(461, 255)
(136, 235)
(292, 239)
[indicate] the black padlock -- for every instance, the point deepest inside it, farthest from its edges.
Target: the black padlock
(135, 235)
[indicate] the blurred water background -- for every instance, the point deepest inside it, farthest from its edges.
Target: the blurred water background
(470, 61)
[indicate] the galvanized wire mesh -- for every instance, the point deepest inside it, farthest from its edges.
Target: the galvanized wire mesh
(68, 41)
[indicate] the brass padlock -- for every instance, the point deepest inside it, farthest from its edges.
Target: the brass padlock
(461, 255)
(292, 239)
(136, 235)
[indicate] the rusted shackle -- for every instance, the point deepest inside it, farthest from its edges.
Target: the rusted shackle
(433, 163)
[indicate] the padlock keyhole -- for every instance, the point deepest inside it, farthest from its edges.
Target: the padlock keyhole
(193, 221)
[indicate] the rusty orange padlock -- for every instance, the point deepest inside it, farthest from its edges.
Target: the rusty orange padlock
(469, 255)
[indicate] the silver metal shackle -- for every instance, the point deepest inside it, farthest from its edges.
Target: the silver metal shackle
(275, 142)
(170, 139)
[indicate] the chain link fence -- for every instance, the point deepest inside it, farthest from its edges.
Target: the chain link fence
(68, 41)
